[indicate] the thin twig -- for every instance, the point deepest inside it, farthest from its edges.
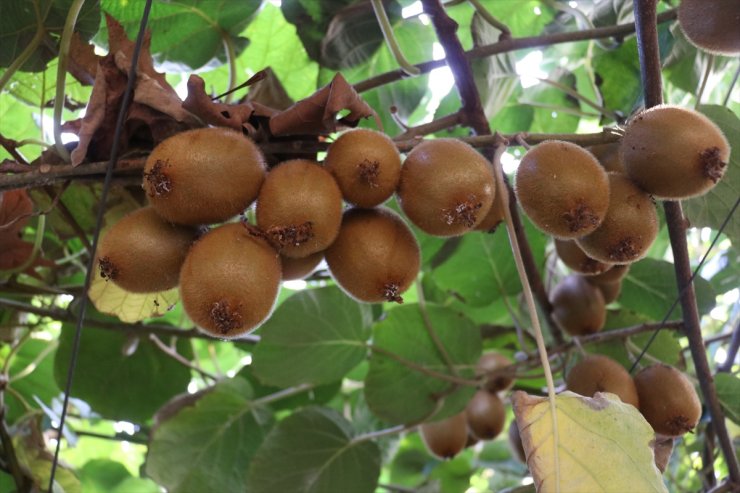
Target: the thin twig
(704, 79)
(22, 483)
(732, 86)
(172, 353)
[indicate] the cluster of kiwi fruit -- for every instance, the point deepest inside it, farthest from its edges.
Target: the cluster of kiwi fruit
(484, 416)
(229, 275)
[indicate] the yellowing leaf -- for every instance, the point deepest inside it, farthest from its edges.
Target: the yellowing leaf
(603, 445)
(130, 307)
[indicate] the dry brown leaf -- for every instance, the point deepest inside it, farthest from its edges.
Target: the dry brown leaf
(269, 93)
(15, 209)
(82, 62)
(234, 116)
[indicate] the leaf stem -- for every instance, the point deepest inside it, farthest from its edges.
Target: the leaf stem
(231, 59)
(433, 333)
(486, 15)
(732, 86)
(571, 92)
(282, 394)
(390, 38)
(704, 79)
(172, 353)
(422, 369)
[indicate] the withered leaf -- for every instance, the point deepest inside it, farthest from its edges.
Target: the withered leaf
(234, 116)
(82, 62)
(15, 209)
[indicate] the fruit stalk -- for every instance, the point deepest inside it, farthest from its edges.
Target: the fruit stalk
(647, 43)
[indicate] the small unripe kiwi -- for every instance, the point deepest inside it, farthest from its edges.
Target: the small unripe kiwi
(615, 274)
(298, 268)
(562, 188)
(674, 153)
(515, 442)
(630, 226)
(497, 370)
(445, 438)
(574, 257)
(203, 176)
(486, 415)
(366, 165)
(143, 253)
(230, 280)
(376, 257)
(668, 400)
(711, 25)
(446, 187)
(300, 207)
(494, 217)
(597, 373)
(578, 306)
(608, 156)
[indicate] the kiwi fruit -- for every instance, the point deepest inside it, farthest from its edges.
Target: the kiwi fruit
(630, 226)
(571, 254)
(300, 208)
(597, 373)
(497, 370)
(486, 415)
(615, 274)
(446, 187)
(674, 153)
(668, 400)
(609, 290)
(515, 442)
(496, 215)
(203, 176)
(376, 257)
(711, 25)
(562, 188)
(366, 165)
(143, 253)
(230, 280)
(446, 438)
(578, 306)
(608, 156)
(298, 268)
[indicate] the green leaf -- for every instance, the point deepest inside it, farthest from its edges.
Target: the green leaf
(32, 376)
(495, 77)
(102, 475)
(711, 210)
(618, 76)
(399, 394)
(553, 108)
(111, 299)
(312, 451)
(316, 336)
(728, 391)
(128, 388)
(311, 19)
(208, 446)
(314, 396)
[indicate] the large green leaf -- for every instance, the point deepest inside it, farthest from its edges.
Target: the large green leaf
(555, 111)
(316, 336)
(32, 376)
(399, 394)
(118, 386)
(313, 451)
(618, 76)
(311, 19)
(728, 391)
(711, 210)
(208, 445)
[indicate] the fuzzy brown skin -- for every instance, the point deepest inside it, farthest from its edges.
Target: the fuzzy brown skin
(366, 165)
(615, 274)
(376, 257)
(492, 220)
(230, 280)
(498, 371)
(446, 187)
(609, 290)
(203, 176)
(674, 153)
(563, 189)
(608, 156)
(142, 253)
(597, 373)
(576, 259)
(446, 438)
(300, 208)
(630, 227)
(486, 415)
(578, 306)
(711, 25)
(298, 268)
(668, 400)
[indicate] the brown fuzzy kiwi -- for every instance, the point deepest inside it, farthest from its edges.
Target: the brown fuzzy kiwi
(376, 257)
(575, 258)
(203, 176)
(298, 268)
(497, 370)
(610, 290)
(608, 156)
(494, 217)
(486, 415)
(711, 25)
(674, 153)
(562, 188)
(143, 253)
(230, 280)
(615, 274)
(446, 187)
(300, 208)
(578, 306)
(597, 373)
(630, 226)
(366, 165)
(668, 400)
(515, 442)
(446, 438)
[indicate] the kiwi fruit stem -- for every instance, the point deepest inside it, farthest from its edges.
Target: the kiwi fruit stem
(502, 195)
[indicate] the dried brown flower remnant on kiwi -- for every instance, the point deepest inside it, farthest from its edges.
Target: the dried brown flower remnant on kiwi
(674, 153)
(375, 257)
(668, 399)
(142, 253)
(230, 280)
(300, 208)
(563, 189)
(597, 373)
(445, 438)
(366, 165)
(712, 25)
(446, 187)
(578, 306)
(203, 176)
